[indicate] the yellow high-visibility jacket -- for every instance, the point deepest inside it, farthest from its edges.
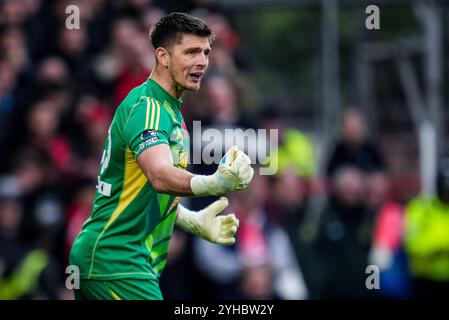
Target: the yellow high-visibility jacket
(426, 238)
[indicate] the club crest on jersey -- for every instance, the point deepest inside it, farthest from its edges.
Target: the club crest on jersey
(148, 134)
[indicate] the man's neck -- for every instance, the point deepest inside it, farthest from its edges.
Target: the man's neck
(166, 82)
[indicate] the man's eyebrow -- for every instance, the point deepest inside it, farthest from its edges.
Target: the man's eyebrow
(197, 49)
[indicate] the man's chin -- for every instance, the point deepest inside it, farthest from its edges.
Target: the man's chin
(193, 87)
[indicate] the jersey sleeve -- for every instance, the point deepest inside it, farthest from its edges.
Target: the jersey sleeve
(148, 125)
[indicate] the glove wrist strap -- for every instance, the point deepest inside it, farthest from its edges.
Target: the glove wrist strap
(203, 185)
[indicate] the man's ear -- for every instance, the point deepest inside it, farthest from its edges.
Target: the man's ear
(163, 56)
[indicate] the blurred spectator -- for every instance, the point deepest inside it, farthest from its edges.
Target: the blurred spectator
(257, 283)
(344, 239)
(7, 99)
(13, 49)
(387, 245)
(137, 68)
(43, 208)
(427, 239)
(133, 8)
(94, 119)
(150, 16)
(179, 281)
(12, 13)
(183, 6)
(223, 104)
(53, 69)
(288, 208)
(127, 62)
(224, 35)
(14, 258)
(388, 233)
(355, 149)
(72, 47)
(78, 211)
(43, 124)
(262, 246)
(27, 173)
(261, 240)
(26, 272)
(218, 269)
(54, 83)
(295, 150)
(37, 27)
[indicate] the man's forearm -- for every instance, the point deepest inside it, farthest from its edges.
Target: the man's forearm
(182, 183)
(234, 173)
(173, 181)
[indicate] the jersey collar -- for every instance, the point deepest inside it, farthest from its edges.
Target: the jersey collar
(163, 94)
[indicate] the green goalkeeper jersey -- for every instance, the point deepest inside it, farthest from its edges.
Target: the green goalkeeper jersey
(128, 233)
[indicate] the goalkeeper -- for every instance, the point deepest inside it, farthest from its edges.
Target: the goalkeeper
(122, 248)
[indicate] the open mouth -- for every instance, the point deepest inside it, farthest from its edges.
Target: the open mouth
(195, 76)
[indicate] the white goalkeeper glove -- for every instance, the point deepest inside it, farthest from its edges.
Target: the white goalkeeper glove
(234, 173)
(207, 225)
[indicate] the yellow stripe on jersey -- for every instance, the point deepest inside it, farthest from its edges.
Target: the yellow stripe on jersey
(133, 182)
(174, 204)
(158, 114)
(153, 121)
(153, 107)
(115, 295)
(147, 118)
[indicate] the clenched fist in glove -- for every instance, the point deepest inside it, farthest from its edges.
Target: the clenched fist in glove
(234, 173)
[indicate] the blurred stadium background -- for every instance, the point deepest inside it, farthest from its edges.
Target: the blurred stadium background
(362, 120)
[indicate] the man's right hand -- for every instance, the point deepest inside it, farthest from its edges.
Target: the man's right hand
(234, 173)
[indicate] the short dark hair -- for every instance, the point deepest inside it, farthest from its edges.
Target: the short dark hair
(170, 29)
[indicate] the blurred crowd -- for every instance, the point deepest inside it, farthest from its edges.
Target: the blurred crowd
(59, 89)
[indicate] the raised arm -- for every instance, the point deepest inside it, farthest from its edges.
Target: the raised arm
(234, 173)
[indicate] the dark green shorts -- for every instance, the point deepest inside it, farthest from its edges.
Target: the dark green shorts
(123, 289)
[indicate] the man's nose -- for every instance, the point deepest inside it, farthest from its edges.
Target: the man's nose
(203, 61)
